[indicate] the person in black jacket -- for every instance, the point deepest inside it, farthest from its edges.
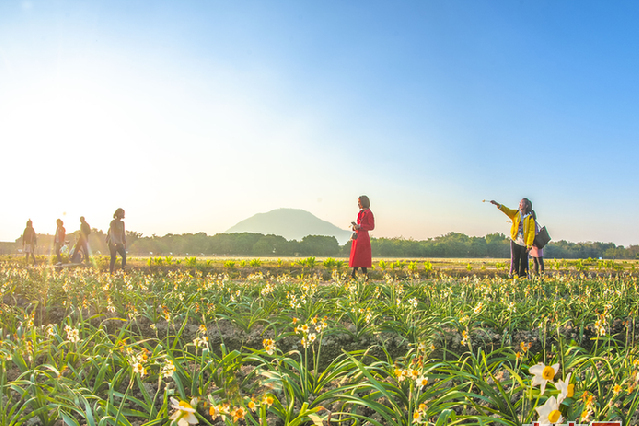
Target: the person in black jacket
(116, 239)
(29, 241)
(83, 241)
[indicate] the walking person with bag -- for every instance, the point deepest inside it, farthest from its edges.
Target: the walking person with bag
(116, 239)
(83, 241)
(29, 242)
(58, 240)
(361, 255)
(522, 234)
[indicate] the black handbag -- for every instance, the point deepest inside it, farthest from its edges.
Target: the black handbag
(542, 238)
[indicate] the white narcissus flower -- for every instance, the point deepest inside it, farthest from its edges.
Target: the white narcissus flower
(73, 334)
(167, 369)
(422, 381)
(269, 346)
(549, 412)
(567, 389)
(543, 374)
(138, 368)
(184, 413)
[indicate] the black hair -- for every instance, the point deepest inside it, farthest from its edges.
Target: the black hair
(365, 201)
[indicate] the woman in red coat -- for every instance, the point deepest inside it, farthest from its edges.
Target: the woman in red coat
(361, 245)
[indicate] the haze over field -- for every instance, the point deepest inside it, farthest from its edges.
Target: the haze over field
(193, 116)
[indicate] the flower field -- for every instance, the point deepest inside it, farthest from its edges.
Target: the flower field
(182, 346)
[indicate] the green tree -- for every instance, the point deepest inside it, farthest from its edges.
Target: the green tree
(319, 245)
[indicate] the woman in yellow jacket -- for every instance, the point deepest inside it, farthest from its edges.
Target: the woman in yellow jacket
(522, 234)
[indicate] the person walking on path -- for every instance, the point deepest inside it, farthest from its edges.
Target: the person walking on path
(83, 241)
(361, 256)
(29, 242)
(116, 239)
(58, 240)
(537, 253)
(522, 234)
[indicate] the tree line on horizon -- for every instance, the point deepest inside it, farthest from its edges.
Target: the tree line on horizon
(452, 244)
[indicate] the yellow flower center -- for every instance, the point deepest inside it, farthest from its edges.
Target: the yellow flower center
(185, 404)
(549, 373)
(554, 416)
(571, 390)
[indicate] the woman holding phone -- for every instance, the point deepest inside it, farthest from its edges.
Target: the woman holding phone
(361, 256)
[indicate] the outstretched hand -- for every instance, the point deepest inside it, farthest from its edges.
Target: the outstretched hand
(494, 202)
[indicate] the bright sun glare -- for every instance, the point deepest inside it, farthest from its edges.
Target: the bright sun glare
(65, 132)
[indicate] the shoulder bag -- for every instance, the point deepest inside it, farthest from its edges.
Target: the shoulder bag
(542, 238)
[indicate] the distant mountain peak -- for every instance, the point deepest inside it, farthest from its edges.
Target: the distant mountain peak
(292, 224)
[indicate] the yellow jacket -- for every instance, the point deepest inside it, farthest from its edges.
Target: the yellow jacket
(529, 225)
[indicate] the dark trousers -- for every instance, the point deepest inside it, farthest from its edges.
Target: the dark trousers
(518, 260)
(538, 264)
(119, 249)
(364, 270)
(58, 246)
(82, 245)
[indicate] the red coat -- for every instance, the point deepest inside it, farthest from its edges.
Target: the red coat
(361, 248)
(60, 235)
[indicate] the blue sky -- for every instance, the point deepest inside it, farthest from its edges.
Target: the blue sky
(193, 116)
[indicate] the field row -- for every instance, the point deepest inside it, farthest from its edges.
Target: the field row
(149, 348)
(242, 266)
